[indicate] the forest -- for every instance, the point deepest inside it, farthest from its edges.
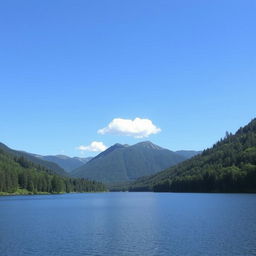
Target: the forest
(229, 166)
(20, 176)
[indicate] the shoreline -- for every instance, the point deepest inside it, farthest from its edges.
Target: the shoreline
(29, 193)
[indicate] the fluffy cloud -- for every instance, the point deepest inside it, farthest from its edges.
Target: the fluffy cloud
(95, 146)
(138, 128)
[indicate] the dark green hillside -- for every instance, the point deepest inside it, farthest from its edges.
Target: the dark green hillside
(32, 158)
(18, 175)
(229, 166)
(122, 163)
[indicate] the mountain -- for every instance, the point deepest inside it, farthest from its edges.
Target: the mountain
(188, 153)
(121, 163)
(229, 166)
(21, 176)
(66, 162)
(34, 159)
(109, 150)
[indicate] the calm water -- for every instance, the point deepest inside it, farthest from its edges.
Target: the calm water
(117, 224)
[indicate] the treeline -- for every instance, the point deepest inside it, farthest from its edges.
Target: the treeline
(227, 180)
(229, 166)
(18, 173)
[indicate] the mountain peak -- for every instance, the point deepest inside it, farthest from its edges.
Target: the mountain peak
(148, 144)
(117, 145)
(122, 163)
(109, 150)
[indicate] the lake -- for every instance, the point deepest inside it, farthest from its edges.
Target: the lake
(123, 224)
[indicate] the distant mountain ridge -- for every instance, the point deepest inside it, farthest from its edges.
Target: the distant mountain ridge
(188, 153)
(121, 163)
(67, 163)
(118, 163)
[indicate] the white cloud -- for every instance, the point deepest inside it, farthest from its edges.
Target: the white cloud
(138, 128)
(95, 146)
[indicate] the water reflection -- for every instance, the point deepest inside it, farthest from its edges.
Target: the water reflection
(128, 224)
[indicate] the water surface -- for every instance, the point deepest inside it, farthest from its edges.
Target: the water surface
(123, 224)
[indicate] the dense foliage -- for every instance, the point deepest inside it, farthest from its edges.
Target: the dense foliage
(229, 166)
(17, 173)
(34, 159)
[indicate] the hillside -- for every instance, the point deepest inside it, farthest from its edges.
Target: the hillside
(66, 162)
(121, 163)
(32, 158)
(229, 166)
(20, 176)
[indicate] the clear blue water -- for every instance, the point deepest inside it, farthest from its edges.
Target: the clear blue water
(117, 224)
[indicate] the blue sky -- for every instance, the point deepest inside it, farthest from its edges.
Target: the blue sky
(68, 68)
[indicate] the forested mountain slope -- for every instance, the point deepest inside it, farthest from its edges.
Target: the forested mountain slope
(229, 166)
(18, 175)
(32, 158)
